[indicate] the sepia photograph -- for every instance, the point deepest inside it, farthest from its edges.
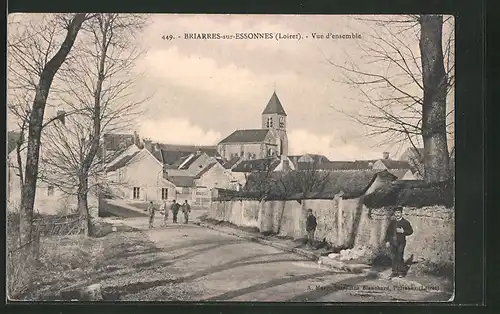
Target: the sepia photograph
(230, 157)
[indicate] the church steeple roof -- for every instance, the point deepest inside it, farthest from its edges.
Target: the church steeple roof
(274, 106)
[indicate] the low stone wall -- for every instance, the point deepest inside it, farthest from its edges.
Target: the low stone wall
(433, 238)
(346, 223)
(434, 234)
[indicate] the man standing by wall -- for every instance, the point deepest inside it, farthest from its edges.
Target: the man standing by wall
(395, 239)
(310, 227)
(151, 212)
(186, 209)
(175, 210)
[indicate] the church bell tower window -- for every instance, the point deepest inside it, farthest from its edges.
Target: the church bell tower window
(282, 122)
(270, 122)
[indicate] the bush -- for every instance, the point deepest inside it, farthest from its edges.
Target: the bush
(21, 260)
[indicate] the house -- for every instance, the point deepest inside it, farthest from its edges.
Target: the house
(196, 188)
(270, 140)
(113, 141)
(308, 159)
(49, 198)
(389, 164)
(230, 164)
(166, 172)
(139, 177)
(122, 158)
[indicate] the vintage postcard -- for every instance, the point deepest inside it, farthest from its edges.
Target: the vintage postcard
(282, 158)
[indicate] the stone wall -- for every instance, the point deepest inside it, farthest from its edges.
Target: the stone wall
(433, 239)
(346, 223)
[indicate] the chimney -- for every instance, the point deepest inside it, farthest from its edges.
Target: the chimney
(385, 155)
(61, 115)
(148, 144)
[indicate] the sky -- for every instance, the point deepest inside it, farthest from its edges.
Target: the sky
(200, 91)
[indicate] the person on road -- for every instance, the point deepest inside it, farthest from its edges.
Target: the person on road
(165, 213)
(175, 210)
(310, 227)
(397, 231)
(186, 209)
(151, 211)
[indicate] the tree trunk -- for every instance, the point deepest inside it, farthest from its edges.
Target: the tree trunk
(436, 158)
(28, 190)
(83, 207)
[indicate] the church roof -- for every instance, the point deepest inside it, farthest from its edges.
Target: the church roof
(246, 136)
(274, 106)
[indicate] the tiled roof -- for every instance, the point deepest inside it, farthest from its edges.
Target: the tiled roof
(189, 162)
(121, 163)
(268, 164)
(175, 155)
(412, 193)
(334, 165)
(274, 106)
(351, 183)
(116, 141)
(232, 162)
(209, 150)
(395, 164)
(246, 136)
(317, 159)
(202, 172)
(169, 157)
(364, 164)
(181, 181)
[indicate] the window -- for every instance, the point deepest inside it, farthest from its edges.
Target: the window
(50, 190)
(185, 190)
(269, 122)
(137, 193)
(282, 122)
(164, 193)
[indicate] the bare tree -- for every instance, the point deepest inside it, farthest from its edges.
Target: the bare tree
(405, 83)
(308, 180)
(37, 48)
(99, 85)
(261, 181)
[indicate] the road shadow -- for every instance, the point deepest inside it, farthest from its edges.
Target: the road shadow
(269, 284)
(114, 293)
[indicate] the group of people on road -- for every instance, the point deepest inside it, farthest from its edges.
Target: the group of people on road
(395, 239)
(185, 208)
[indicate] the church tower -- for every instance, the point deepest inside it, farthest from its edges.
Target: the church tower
(274, 118)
